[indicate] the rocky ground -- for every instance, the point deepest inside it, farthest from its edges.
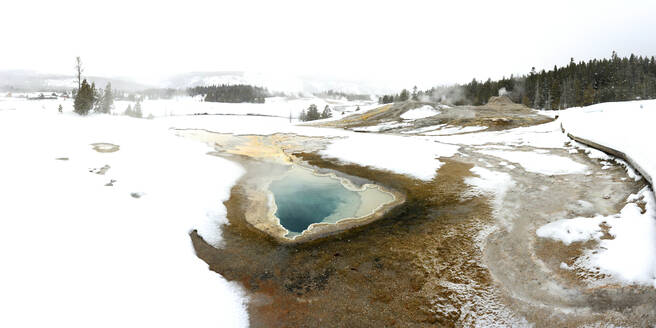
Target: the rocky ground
(498, 114)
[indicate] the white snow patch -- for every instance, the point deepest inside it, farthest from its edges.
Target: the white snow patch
(414, 156)
(424, 129)
(491, 183)
(569, 231)
(546, 136)
(623, 126)
(382, 127)
(421, 112)
(455, 130)
(630, 256)
(540, 163)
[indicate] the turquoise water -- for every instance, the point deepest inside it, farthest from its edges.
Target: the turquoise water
(304, 198)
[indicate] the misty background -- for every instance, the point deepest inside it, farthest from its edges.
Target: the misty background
(360, 47)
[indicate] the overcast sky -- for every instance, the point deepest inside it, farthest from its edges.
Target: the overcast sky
(396, 43)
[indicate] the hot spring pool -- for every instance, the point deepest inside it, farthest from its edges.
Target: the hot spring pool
(303, 198)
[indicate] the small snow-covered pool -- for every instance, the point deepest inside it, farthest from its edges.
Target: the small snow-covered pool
(303, 198)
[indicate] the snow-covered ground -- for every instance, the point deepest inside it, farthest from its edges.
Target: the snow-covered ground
(382, 127)
(86, 233)
(540, 163)
(76, 249)
(421, 112)
(273, 106)
(630, 255)
(78, 253)
(624, 126)
(454, 130)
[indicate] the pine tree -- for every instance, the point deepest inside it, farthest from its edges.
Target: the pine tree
(137, 110)
(326, 112)
(83, 99)
(555, 94)
(404, 96)
(60, 108)
(588, 95)
(537, 99)
(128, 111)
(107, 100)
(313, 113)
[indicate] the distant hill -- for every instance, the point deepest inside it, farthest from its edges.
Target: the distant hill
(273, 82)
(23, 80)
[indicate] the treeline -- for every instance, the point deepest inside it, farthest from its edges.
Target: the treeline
(577, 84)
(230, 93)
(312, 113)
(332, 94)
(88, 98)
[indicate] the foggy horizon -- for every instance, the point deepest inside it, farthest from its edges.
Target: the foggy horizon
(387, 45)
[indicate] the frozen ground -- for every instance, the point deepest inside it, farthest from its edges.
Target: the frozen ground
(84, 233)
(624, 126)
(421, 112)
(75, 247)
(79, 253)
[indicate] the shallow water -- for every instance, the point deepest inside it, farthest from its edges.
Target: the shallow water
(303, 198)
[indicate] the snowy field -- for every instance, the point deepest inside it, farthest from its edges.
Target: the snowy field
(86, 233)
(630, 256)
(624, 126)
(79, 253)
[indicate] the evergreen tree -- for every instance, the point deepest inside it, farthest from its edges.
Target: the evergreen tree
(128, 111)
(404, 95)
(137, 110)
(588, 95)
(313, 113)
(83, 99)
(60, 108)
(555, 94)
(326, 112)
(107, 100)
(577, 84)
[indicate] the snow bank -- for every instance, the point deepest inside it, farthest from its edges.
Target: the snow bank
(573, 230)
(421, 112)
(546, 135)
(540, 163)
(382, 127)
(630, 256)
(413, 156)
(627, 127)
(78, 253)
(454, 130)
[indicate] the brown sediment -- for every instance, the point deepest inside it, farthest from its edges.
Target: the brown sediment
(439, 259)
(387, 273)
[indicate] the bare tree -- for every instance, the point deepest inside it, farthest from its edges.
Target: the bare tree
(78, 70)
